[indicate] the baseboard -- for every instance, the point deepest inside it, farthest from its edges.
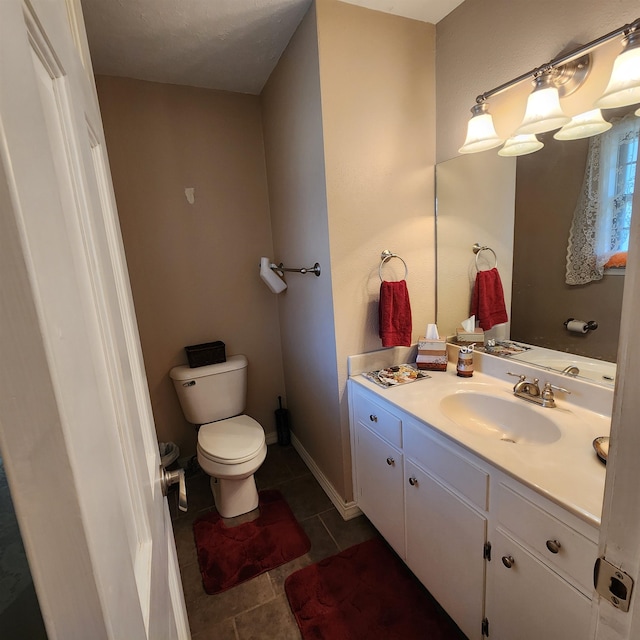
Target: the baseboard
(348, 510)
(271, 438)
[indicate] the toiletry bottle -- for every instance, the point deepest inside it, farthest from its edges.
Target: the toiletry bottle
(465, 361)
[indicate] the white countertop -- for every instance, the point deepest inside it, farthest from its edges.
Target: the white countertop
(566, 471)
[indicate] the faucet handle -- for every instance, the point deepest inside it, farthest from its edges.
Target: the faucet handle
(548, 399)
(517, 375)
(548, 386)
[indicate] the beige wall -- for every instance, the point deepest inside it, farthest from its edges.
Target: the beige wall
(349, 132)
(194, 268)
(295, 160)
(484, 43)
(377, 75)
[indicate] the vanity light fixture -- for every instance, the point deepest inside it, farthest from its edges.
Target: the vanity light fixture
(543, 112)
(637, 112)
(624, 85)
(552, 81)
(481, 134)
(520, 145)
(584, 125)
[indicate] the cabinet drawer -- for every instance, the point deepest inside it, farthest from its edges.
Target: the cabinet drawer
(379, 420)
(536, 528)
(460, 474)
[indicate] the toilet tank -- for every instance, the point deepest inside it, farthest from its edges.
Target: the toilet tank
(212, 392)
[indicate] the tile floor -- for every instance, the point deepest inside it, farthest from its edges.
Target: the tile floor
(258, 609)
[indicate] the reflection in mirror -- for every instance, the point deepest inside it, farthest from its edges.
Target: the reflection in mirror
(524, 209)
(475, 204)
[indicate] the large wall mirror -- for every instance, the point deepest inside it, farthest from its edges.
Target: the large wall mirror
(524, 209)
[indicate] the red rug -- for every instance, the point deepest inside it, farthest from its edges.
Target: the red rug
(230, 555)
(362, 593)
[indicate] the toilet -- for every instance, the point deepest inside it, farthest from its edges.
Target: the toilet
(231, 445)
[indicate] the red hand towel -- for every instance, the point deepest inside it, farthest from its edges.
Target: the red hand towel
(395, 314)
(487, 302)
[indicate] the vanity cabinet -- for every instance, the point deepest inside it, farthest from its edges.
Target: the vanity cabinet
(498, 557)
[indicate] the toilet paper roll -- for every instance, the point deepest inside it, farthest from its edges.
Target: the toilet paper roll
(270, 277)
(577, 326)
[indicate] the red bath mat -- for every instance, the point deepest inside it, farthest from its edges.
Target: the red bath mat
(362, 593)
(230, 555)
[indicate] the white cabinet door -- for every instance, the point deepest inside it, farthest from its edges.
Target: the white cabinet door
(379, 472)
(445, 544)
(529, 601)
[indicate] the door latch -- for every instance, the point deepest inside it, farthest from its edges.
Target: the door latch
(612, 584)
(168, 478)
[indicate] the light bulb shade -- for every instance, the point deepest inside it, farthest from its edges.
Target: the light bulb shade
(637, 112)
(481, 134)
(624, 85)
(584, 125)
(543, 112)
(520, 145)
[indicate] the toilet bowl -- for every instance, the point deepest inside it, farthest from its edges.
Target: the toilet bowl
(231, 446)
(231, 451)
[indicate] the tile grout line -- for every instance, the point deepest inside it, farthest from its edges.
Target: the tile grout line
(235, 627)
(324, 524)
(274, 595)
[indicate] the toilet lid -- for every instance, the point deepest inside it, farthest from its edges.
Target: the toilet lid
(233, 440)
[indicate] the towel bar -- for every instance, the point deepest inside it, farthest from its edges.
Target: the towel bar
(280, 268)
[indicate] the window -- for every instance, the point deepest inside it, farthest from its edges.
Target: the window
(599, 235)
(618, 159)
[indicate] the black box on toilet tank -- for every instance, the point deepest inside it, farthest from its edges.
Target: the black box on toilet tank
(200, 355)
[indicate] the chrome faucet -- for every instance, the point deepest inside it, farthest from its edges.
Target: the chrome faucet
(530, 390)
(571, 370)
(525, 388)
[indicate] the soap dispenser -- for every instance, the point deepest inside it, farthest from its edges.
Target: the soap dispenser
(465, 361)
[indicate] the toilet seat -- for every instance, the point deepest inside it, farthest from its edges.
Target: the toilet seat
(231, 441)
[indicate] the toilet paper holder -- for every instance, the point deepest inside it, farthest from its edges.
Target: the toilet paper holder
(571, 325)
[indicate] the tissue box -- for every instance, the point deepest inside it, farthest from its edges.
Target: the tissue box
(468, 337)
(432, 354)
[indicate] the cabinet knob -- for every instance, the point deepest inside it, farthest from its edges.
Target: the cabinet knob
(413, 481)
(373, 418)
(553, 545)
(508, 561)
(390, 461)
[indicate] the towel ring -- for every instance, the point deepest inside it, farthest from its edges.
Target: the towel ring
(478, 249)
(385, 256)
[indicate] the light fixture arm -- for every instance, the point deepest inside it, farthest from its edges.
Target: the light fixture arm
(561, 59)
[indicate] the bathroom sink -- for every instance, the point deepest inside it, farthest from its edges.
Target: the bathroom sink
(508, 420)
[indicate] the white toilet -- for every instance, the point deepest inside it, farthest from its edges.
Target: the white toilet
(231, 446)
